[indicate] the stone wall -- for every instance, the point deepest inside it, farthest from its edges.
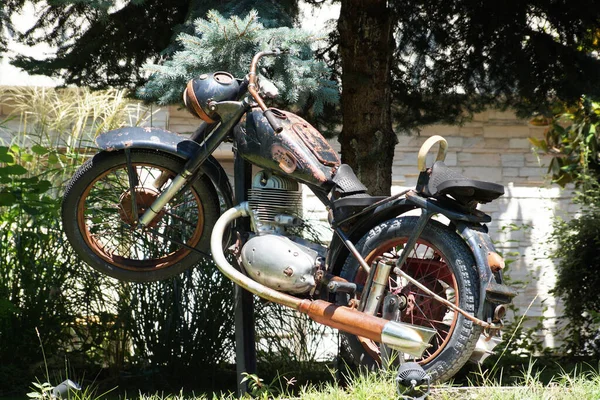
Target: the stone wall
(494, 146)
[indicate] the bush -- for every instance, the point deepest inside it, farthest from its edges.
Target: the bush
(156, 334)
(91, 321)
(573, 140)
(578, 280)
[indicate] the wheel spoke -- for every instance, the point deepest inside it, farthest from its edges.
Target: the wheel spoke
(114, 202)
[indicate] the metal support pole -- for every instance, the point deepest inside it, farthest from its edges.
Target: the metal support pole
(245, 349)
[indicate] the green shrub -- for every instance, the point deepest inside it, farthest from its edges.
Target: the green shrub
(578, 280)
(156, 334)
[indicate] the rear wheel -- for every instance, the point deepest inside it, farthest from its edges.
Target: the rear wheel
(441, 261)
(100, 211)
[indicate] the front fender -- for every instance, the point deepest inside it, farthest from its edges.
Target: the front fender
(168, 142)
(147, 138)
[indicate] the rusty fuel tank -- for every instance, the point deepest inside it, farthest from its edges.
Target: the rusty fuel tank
(299, 151)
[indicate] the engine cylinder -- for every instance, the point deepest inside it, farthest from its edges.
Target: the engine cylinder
(272, 195)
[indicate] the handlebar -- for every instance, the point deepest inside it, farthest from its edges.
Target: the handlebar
(252, 89)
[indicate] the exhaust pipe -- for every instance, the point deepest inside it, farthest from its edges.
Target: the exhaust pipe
(403, 337)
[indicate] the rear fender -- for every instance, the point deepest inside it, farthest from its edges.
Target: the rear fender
(493, 291)
(167, 142)
(337, 250)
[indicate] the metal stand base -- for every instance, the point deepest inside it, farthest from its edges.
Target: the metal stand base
(245, 348)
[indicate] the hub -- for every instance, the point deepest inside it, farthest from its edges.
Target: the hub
(144, 197)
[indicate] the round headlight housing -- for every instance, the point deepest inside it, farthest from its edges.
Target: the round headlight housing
(216, 86)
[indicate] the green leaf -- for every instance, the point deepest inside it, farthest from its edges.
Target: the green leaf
(5, 157)
(34, 395)
(52, 158)
(540, 144)
(7, 199)
(26, 157)
(42, 186)
(40, 150)
(6, 307)
(30, 210)
(13, 170)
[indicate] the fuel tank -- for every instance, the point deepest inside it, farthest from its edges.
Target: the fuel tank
(299, 151)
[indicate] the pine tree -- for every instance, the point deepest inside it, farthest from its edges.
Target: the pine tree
(229, 45)
(435, 61)
(410, 63)
(104, 43)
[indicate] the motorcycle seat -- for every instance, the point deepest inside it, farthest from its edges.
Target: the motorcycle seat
(444, 181)
(353, 196)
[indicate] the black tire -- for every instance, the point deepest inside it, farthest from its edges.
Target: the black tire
(450, 270)
(97, 215)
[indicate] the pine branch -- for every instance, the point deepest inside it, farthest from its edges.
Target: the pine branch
(221, 44)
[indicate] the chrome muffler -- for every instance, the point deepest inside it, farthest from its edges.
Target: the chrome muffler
(403, 337)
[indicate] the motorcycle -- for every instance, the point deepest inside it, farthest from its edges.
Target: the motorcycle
(149, 206)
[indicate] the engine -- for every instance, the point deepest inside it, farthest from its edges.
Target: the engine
(275, 257)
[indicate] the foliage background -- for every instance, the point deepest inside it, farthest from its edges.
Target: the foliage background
(573, 139)
(168, 334)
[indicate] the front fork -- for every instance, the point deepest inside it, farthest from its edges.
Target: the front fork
(230, 112)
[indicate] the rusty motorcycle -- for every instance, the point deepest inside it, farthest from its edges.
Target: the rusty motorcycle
(152, 203)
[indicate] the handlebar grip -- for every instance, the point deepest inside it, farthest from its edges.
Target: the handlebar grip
(273, 120)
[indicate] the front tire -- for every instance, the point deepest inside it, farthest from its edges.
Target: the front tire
(99, 216)
(443, 263)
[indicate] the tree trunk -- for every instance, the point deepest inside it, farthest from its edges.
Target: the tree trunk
(366, 50)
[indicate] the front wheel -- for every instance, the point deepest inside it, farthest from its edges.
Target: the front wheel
(104, 200)
(442, 262)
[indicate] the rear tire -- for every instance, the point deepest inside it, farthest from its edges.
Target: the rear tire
(441, 261)
(98, 216)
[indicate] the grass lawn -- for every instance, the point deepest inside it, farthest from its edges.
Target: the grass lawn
(583, 386)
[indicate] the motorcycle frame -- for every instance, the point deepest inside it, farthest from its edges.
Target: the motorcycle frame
(349, 230)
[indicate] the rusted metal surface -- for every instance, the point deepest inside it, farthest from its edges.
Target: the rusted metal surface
(195, 104)
(252, 88)
(404, 337)
(357, 228)
(306, 157)
(417, 307)
(144, 197)
(452, 210)
(213, 87)
(492, 287)
(447, 303)
(499, 293)
(344, 318)
(315, 142)
(147, 138)
(361, 261)
(495, 261)
(168, 142)
(124, 211)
